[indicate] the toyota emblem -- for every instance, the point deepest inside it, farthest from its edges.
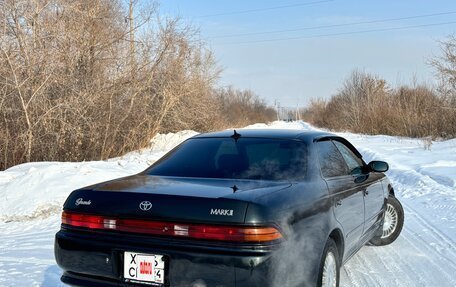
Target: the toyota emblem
(145, 205)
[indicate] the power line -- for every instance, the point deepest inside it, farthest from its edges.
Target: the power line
(341, 34)
(334, 25)
(264, 9)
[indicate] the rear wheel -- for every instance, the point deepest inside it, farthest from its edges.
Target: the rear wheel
(392, 223)
(329, 266)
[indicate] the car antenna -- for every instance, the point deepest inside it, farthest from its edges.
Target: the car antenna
(236, 136)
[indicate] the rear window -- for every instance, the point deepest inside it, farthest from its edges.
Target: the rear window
(246, 158)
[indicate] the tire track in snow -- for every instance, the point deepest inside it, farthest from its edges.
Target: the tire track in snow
(345, 272)
(449, 247)
(411, 261)
(436, 231)
(392, 266)
(421, 280)
(444, 206)
(433, 257)
(352, 276)
(372, 272)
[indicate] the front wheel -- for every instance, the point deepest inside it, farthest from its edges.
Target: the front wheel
(329, 266)
(392, 223)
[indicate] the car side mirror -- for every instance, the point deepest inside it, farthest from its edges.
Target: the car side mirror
(378, 166)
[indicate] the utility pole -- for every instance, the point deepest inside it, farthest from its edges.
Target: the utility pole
(132, 41)
(275, 106)
(298, 114)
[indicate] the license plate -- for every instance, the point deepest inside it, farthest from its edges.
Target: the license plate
(144, 268)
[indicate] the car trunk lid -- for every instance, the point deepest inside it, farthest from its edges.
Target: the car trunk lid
(170, 199)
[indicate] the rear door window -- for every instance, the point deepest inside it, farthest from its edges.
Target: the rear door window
(331, 161)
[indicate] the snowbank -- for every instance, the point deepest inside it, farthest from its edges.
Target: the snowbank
(38, 190)
(299, 125)
(165, 142)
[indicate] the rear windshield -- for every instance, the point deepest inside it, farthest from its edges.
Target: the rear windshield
(246, 158)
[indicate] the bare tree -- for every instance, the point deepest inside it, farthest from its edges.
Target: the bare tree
(92, 79)
(366, 104)
(445, 65)
(70, 84)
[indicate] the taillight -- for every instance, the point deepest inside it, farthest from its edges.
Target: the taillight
(196, 231)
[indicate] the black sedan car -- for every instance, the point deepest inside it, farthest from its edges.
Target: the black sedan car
(231, 208)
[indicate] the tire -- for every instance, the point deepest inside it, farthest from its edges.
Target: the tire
(393, 223)
(329, 270)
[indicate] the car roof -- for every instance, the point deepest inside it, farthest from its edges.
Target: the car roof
(269, 133)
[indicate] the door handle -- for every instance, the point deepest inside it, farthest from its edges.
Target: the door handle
(338, 203)
(366, 192)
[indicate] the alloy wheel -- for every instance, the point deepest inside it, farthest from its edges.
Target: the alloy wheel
(390, 221)
(329, 276)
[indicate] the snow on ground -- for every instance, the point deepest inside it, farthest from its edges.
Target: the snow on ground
(424, 177)
(38, 190)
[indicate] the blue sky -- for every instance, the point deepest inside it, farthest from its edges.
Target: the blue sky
(253, 43)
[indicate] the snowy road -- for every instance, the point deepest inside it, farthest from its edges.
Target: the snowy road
(422, 256)
(424, 180)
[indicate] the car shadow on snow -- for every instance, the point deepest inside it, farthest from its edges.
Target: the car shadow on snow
(52, 277)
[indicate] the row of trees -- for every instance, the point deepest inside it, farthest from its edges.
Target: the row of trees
(93, 79)
(367, 104)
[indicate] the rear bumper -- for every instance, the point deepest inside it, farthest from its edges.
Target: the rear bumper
(96, 259)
